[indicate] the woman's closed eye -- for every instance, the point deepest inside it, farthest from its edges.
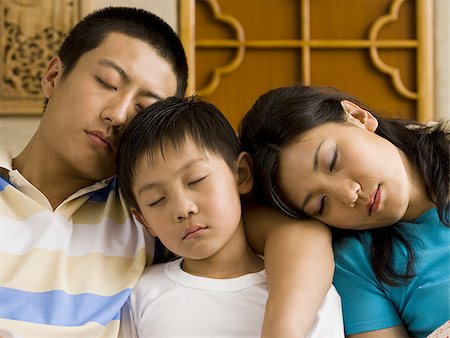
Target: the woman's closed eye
(333, 160)
(322, 205)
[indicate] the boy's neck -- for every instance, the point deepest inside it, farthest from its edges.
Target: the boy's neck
(234, 260)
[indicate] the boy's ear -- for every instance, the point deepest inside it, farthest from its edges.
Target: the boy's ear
(141, 219)
(358, 116)
(51, 77)
(244, 170)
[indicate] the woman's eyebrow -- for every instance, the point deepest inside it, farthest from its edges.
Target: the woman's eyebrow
(316, 157)
(315, 166)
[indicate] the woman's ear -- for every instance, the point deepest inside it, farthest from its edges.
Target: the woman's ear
(244, 170)
(142, 220)
(358, 116)
(51, 77)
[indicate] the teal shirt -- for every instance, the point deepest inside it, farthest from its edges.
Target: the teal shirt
(421, 305)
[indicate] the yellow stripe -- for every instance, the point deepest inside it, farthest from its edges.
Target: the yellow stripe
(31, 330)
(41, 270)
(90, 213)
(23, 207)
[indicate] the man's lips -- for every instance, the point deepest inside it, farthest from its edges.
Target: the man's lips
(101, 139)
(193, 231)
(374, 201)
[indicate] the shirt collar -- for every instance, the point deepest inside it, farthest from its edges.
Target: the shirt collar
(5, 159)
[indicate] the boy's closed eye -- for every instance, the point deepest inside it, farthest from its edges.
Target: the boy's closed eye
(156, 202)
(197, 181)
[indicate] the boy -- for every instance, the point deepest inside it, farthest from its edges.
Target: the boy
(181, 170)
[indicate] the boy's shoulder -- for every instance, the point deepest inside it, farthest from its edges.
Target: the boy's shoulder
(154, 271)
(154, 277)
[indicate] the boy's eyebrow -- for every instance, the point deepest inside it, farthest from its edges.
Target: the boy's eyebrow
(315, 166)
(123, 74)
(151, 185)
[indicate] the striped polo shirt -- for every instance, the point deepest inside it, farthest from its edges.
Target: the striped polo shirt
(65, 272)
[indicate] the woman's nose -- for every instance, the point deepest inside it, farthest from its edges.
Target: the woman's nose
(345, 191)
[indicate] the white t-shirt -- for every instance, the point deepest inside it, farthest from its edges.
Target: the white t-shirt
(168, 302)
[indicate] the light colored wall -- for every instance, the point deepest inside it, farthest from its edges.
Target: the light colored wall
(442, 54)
(16, 131)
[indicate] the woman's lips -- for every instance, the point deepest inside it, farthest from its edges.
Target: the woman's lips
(374, 202)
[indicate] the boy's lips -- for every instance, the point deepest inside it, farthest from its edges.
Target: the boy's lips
(192, 231)
(374, 201)
(101, 139)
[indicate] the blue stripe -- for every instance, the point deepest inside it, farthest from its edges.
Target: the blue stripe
(60, 308)
(103, 194)
(3, 183)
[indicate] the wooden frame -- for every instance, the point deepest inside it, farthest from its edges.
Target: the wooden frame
(423, 43)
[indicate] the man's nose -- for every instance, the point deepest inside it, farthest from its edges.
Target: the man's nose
(118, 113)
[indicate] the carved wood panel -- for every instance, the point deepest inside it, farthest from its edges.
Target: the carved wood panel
(31, 32)
(378, 50)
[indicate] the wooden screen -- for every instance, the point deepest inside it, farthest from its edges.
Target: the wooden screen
(377, 50)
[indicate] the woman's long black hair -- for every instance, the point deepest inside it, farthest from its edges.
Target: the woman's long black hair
(278, 117)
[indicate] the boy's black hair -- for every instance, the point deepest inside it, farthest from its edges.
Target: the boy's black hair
(168, 123)
(137, 23)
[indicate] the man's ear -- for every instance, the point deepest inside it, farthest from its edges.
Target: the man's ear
(51, 77)
(358, 116)
(142, 220)
(244, 170)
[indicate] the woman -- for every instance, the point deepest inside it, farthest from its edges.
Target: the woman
(382, 183)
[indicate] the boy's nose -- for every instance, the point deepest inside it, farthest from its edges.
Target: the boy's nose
(185, 208)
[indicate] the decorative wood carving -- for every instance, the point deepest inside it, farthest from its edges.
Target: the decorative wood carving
(31, 32)
(422, 45)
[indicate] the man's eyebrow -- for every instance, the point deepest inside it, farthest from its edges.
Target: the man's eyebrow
(315, 166)
(123, 74)
(112, 64)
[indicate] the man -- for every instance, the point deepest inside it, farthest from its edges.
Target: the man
(70, 252)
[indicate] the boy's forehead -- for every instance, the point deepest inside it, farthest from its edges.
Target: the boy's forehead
(169, 150)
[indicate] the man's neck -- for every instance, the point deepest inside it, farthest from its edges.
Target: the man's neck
(47, 175)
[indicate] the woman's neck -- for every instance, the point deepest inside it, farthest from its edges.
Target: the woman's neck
(419, 202)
